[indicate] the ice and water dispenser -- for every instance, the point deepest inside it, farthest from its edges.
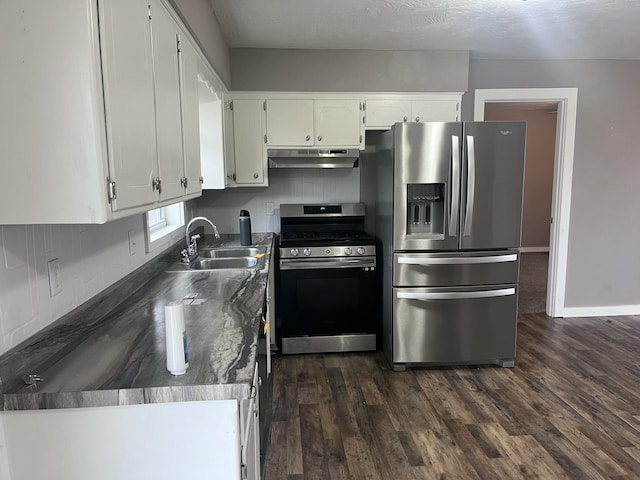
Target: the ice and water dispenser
(425, 208)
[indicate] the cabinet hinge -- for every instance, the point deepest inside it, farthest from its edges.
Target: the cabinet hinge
(231, 105)
(265, 139)
(360, 138)
(178, 42)
(184, 182)
(201, 179)
(157, 185)
(364, 106)
(457, 107)
(361, 109)
(111, 189)
(149, 10)
(264, 105)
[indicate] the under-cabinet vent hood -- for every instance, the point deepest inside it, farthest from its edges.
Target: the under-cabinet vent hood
(313, 157)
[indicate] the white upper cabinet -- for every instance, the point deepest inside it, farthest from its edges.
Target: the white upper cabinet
(308, 122)
(98, 115)
(250, 161)
(165, 34)
(192, 181)
(382, 113)
(337, 123)
(125, 36)
(289, 122)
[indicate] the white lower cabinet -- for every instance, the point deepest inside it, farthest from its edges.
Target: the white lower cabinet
(217, 440)
(96, 120)
(168, 440)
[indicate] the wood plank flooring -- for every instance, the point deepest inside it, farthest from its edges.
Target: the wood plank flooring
(570, 409)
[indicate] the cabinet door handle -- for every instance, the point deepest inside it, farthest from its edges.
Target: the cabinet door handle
(417, 119)
(307, 138)
(319, 138)
(255, 175)
(404, 119)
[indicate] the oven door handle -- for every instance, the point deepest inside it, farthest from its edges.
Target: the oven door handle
(326, 263)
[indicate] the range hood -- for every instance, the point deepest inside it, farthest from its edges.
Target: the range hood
(313, 157)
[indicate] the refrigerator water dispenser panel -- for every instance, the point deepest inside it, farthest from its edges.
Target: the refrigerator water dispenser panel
(425, 210)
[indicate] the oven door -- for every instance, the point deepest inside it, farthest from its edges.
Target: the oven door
(327, 305)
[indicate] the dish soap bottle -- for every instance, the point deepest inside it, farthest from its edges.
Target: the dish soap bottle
(245, 228)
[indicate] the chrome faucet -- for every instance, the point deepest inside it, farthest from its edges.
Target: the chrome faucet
(191, 252)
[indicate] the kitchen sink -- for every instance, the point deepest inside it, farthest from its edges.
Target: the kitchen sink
(229, 252)
(219, 263)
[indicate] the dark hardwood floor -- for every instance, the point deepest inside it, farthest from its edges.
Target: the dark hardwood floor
(569, 409)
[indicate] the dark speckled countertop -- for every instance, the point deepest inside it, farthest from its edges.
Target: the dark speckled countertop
(111, 350)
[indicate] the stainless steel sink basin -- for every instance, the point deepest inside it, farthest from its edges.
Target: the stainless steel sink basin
(229, 252)
(219, 263)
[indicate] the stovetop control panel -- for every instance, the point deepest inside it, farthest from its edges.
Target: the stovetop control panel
(328, 251)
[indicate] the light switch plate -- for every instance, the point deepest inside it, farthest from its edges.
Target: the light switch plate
(55, 285)
(269, 208)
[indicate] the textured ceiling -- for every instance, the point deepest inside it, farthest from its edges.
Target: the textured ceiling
(557, 29)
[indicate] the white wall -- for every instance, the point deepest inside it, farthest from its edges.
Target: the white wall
(91, 259)
(286, 186)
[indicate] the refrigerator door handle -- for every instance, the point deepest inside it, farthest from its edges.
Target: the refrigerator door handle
(471, 185)
(455, 186)
(502, 292)
(457, 260)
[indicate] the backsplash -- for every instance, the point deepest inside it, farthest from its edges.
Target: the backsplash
(285, 186)
(91, 258)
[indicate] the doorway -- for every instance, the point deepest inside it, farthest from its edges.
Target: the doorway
(541, 118)
(566, 101)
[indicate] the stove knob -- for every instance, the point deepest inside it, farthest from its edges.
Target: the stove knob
(307, 251)
(347, 251)
(360, 251)
(294, 252)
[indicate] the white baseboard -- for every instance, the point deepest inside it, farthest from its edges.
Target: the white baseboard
(534, 249)
(606, 311)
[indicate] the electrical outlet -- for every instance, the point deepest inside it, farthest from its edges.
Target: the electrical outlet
(269, 208)
(132, 242)
(55, 287)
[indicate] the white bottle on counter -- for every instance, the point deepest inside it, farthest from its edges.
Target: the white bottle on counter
(176, 334)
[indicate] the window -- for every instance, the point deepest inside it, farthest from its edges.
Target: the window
(163, 225)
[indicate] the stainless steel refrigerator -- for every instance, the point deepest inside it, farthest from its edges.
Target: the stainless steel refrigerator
(447, 203)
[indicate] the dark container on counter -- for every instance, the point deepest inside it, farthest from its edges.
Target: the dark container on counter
(245, 228)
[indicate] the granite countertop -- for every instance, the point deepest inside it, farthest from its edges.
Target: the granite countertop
(111, 350)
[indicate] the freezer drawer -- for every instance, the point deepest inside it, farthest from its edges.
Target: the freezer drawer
(454, 269)
(454, 325)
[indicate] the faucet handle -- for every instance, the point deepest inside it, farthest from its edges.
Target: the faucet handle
(195, 237)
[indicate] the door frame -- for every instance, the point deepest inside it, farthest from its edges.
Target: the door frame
(567, 99)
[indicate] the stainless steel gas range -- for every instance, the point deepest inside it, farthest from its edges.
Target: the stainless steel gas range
(328, 283)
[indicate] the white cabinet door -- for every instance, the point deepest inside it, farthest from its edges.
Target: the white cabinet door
(229, 147)
(435, 111)
(191, 117)
(337, 123)
(248, 142)
(129, 100)
(191, 440)
(250, 431)
(289, 122)
(167, 95)
(384, 113)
